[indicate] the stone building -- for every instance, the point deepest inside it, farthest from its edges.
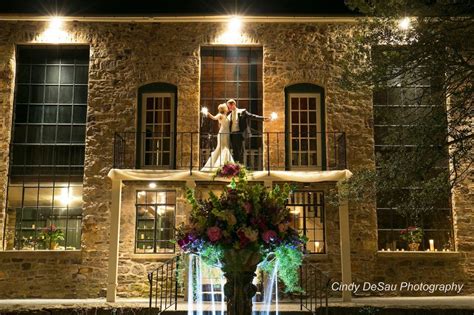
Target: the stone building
(101, 132)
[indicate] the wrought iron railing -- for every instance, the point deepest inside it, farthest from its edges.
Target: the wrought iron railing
(315, 284)
(262, 151)
(163, 286)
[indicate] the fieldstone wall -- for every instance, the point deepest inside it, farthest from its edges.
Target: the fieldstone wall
(125, 56)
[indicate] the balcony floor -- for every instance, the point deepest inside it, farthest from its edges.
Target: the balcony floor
(186, 175)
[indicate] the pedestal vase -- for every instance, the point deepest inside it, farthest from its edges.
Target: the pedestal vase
(239, 268)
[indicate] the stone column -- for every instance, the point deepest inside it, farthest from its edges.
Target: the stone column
(114, 239)
(345, 247)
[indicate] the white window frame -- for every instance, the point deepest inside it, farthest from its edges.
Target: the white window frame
(172, 131)
(319, 153)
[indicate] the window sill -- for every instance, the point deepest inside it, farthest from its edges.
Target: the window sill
(75, 256)
(315, 257)
(420, 254)
(154, 257)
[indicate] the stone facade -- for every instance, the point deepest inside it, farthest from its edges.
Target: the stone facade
(125, 56)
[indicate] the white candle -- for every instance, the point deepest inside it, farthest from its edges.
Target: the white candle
(431, 245)
(142, 236)
(316, 244)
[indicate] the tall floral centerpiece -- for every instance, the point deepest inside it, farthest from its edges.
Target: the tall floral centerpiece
(245, 226)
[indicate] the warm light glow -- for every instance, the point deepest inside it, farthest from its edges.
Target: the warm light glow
(152, 185)
(296, 210)
(54, 33)
(65, 197)
(432, 245)
(55, 23)
(235, 24)
(233, 34)
(204, 111)
(273, 116)
(404, 23)
(316, 245)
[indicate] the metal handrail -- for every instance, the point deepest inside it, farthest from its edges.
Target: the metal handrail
(315, 284)
(163, 286)
(263, 150)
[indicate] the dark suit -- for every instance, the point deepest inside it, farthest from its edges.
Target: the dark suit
(237, 139)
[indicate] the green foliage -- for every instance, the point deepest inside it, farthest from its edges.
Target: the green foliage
(288, 259)
(424, 72)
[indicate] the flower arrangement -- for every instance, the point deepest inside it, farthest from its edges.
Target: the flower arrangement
(244, 217)
(52, 235)
(412, 234)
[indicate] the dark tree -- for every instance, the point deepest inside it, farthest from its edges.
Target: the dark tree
(417, 56)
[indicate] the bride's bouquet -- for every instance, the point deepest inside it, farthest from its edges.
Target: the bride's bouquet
(244, 217)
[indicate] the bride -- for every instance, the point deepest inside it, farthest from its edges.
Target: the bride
(221, 154)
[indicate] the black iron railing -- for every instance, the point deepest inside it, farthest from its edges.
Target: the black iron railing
(163, 286)
(262, 151)
(315, 284)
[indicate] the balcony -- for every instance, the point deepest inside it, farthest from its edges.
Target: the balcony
(267, 151)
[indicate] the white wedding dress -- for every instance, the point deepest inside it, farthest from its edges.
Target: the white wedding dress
(221, 154)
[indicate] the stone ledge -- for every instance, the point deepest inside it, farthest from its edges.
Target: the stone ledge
(74, 255)
(418, 254)
(152, 257)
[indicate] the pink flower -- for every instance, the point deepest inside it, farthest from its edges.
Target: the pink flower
(269, 236)
(248, 207)
(214, 233)
(230, 170)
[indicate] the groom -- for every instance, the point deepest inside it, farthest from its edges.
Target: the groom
(238, 124)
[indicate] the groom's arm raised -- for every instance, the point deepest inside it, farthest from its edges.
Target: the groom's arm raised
(249, 115)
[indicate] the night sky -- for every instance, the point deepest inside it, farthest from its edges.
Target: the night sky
(176, 7)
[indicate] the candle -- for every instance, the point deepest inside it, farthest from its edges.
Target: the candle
(316, 244)
(431, 245)
(142, 236)
(33, 226)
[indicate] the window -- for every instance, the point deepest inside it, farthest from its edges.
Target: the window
(307, 211)
(232, 72)
(405, 110)
(157, 126)
(47, 151)
(155, 221)
(305, 127)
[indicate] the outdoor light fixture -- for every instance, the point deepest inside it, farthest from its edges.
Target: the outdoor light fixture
(152, 185)
(404, 24)
(54, 33)
(233, 34)
(235, 24)
(204, 111)
(273, 116)
(56, 23)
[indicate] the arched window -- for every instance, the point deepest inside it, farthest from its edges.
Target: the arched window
(305, 127)
(156, 129)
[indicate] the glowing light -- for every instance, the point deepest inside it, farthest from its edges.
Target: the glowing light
(235, 24)
(152, 185)
(65, 197)
(296, 210)
(404, 24)
(54, 33)
(56, 23)
(204, 111)
(273, 116)
(233, 34)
